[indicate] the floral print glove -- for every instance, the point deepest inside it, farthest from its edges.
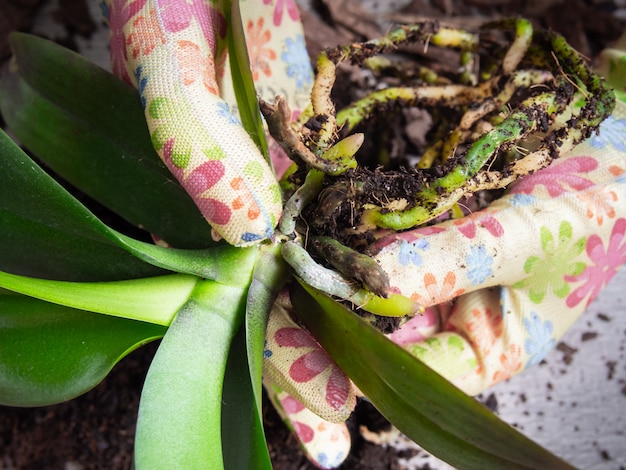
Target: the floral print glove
(175, 53)
(502, 285)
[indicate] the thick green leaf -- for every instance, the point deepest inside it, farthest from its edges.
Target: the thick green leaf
(90, 128)
(179, 424)
(241, 77)
(269, 277)
(46, 232)
(243, 439)
(417, 400)
(50, 353)
(224, 263)
(153, 299)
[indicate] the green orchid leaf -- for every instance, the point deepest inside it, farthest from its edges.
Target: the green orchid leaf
(95, 136)
(52, 353)
(179, 424)
(241, 78)
(243, 439)
(46, 232)
(153, 299)
(269, 277)
(224, 263)
(418, 401)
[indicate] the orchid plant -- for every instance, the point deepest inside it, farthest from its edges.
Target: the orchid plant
(80, 291)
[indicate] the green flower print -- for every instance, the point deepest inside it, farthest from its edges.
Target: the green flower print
(445, 356)
(549, 273)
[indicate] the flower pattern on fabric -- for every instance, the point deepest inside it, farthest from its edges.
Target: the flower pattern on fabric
(177, 16)
(605, 263)
(281, 6)
(469, 224)
(312, 363)
(612, 133)
(549, 273)
(224, 111)
(260, 55)
(325, 443)
(141, 44)
(599, 203)
(408, 253)
(479, 265)
(121, 12)
(437, 293)
(510, 363)
(189, 56)
(297, 61)
(484, 328)
(560, 177)
(540, 338)
(142, 81)
(444, 351)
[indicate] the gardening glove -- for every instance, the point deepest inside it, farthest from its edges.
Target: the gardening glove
(502, 285)
(175, 52)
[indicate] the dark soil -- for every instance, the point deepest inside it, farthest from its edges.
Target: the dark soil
(96, 431)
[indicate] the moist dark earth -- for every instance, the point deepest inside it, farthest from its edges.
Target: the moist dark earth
(96, 431)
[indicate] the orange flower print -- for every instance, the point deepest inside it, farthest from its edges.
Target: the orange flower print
(510, 363)
(436, 293)
(484, 329)
(193, 65)
(258, 37)
(240, 202)
(599, 203)
(141, 43)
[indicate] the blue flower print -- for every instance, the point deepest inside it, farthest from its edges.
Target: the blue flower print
(266, 352)
(479, 264)
(520, 200)
(297, 60)
(141, 84)
(540, 339)
(612, 132)
(224, 111)
(329, 462)
(408, 252)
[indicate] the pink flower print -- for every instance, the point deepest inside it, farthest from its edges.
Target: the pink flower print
(436, 293)
(510, 363)
(193, 66)
(197, 182)
(120, 13)
(139, 41)
(468, 224)
(292, 406)
(257, 38)
(560, 177)
(604, 267)
(291, 7)
(417, 328)
(312, 363)
(177, 15)
(599, 203)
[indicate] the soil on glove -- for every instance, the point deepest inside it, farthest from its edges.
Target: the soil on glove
(96, 431)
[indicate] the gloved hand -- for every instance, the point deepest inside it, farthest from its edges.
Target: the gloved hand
(552, 243)
(502, 285)
(175, 53)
